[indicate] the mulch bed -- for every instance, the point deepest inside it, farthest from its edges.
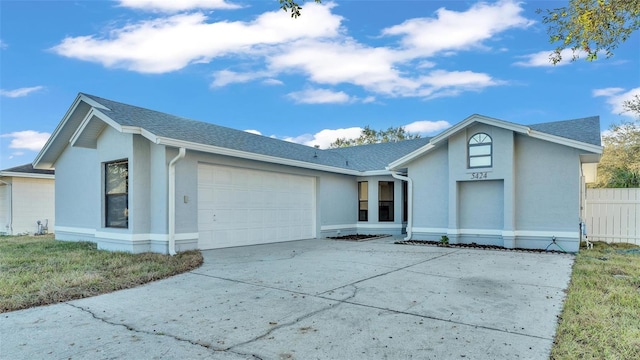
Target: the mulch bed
(357, 237)
(475, 246)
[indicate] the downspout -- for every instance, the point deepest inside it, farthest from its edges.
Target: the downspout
(409, 202)
(172, 200)
(10, 188)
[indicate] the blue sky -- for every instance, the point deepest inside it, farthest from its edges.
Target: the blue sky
(342, 65)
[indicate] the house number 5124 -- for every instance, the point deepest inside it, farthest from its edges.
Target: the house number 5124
(478, 175)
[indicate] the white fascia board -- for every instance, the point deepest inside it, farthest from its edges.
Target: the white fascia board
(567, 142)
(26, 175)
(481, 119)
(253, 156)
(54, 135)
(140, 131)
(100, 115)
(385, 172)
(93, 103)
(80, 98)
(454, 129)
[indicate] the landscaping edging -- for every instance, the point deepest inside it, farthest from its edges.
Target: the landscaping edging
(475, 246)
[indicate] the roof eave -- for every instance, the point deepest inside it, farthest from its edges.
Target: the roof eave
(567, 142)
(40, 161)
(253, 156)
(26, 175)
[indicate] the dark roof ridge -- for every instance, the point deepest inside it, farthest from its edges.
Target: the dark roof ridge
(28, 169)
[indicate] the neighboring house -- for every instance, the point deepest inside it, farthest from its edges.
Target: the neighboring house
(138, 180)
(26, 197)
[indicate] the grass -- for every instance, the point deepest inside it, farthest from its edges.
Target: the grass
(601, 314)
(38, 270)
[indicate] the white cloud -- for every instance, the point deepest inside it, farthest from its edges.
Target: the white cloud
(252, 131)
(171, 43)
(441, 83)
(607, 92)
(427, 127)
(320, 96)
(27, 139)
(3, 44)
(15, 153)
(374, 69)
(172, 6)
(20, 92)
(325, 137)
(453, 30)
(315, 46)
(225, 77)
(272, 81)
(543, 58)
(615, 97)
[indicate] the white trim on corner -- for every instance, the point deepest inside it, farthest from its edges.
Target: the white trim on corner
(77, 230)
(178, 236)
(380, 226)
(504, 233)
(144, 237)
(338, 227)
(121, 236)
(125, 236)
(490, 232)
(548, 234)
(430, 230)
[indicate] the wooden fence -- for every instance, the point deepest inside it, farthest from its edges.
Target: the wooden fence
(613, 215)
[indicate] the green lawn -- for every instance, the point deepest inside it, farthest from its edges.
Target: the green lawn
(39, 270)
(601, 314)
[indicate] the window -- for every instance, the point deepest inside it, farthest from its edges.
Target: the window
(363, 201)
(480, 151)
(116, 193)
(385, 201)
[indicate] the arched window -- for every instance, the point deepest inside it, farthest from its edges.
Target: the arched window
(480, 151)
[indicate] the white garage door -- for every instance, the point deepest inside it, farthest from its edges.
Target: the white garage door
(242, 207)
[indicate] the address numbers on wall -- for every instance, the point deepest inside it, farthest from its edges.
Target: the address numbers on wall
(478, 175)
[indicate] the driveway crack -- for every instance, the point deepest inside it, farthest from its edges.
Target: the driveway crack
(332, 305)
(177, 338)
(389, 272)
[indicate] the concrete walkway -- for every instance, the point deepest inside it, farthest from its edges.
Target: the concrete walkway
(314, 299)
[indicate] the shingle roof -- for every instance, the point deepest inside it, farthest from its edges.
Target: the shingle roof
(378, 156)
(586, 130)
(359, 158)
(28, 169)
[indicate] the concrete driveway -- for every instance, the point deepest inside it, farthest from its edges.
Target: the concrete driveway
(314, 299)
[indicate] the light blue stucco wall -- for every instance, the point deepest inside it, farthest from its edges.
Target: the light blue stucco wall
(430, 177)
(508, 204)
(81, 190)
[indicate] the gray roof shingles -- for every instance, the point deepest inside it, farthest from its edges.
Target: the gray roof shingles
(586, 130)
(28, 169)
(360, 158)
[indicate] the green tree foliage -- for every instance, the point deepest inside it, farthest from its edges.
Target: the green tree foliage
(591, 26)
(620, 163)
(633, 106)
(292, 6)
(371, 136)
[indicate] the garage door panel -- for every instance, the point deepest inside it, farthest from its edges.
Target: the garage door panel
(245, 206)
